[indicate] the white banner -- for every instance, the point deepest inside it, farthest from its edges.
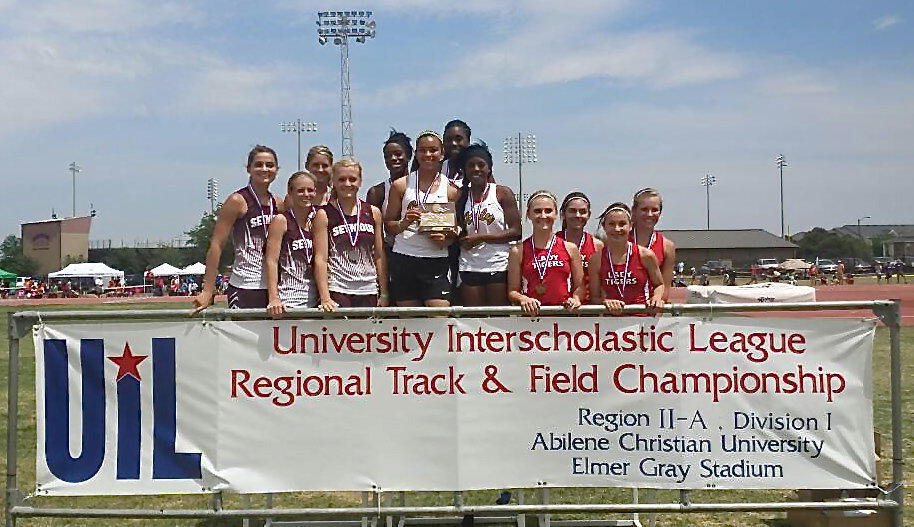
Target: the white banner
(447, 404)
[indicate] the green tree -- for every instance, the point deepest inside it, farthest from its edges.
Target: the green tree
(12, 259)
(819, 243)
(200, 236)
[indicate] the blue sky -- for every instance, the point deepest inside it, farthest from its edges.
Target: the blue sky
(153, 98)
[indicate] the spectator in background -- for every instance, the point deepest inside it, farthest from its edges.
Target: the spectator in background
(899, 272)
(877, 270)
(839, 273)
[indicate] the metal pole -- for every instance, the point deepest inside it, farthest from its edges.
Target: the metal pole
(298, 133)
(708, 202)
(12, 419)
(781, 166)
(520, 169)
(893, 321)
(346, 103)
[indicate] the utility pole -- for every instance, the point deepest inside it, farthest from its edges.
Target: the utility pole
(74, 169)
(781, 163)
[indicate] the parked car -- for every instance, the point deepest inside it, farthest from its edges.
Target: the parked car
(715, 267)
(826, 266)
(767, 264)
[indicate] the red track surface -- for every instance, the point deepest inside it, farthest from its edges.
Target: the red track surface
(903, 292)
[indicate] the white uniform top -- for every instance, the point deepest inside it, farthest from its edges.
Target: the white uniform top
(485, 217)
(410, 242)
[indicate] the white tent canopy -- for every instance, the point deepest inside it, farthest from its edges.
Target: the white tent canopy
(166, 269)
(196, 268)
(87, 270)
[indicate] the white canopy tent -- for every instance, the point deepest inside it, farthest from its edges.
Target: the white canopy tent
(745, 294)
(195, 269)
(166, 269)
(87, 270)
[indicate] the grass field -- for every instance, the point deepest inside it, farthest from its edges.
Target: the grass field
(27, 431)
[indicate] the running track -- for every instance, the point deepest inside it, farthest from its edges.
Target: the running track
(903, 292)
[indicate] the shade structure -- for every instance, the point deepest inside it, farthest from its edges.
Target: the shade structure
(165, 269)
(87, 270)
(195, 269)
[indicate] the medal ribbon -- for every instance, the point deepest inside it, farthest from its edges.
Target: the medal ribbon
(541, 269)
(351, 230)
(612, 269)
(308, 252)
(650, 243)
(419, 194)
(263, 225)
(581, 241)
(476, 211)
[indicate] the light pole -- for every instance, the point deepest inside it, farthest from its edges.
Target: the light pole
(520, 149)
(706, 182)
(297, 127)
(339, 26)
(212, 192)
(858, 225)
(781, 162)
(74, 169)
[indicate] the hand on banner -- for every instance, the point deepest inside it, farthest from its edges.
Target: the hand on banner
(614, 306)
(571, 303)
(529, 306)
(202, 301)
(654, 305)
(276, 308)
(328, 306)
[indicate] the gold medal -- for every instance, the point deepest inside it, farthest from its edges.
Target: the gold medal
(353, 254)
(540, 288)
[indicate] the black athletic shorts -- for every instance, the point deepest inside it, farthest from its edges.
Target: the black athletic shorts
(246, 298)
(480, 279)
(414, 278)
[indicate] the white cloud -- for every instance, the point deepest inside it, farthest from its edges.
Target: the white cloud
(108, 16)
(886, 22)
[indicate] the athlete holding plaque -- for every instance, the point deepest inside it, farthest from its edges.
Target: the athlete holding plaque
(621, 273)
(419, 264)
(349, 262)
(544, 270)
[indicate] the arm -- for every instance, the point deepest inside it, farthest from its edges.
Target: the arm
(529, 306)
(655, 276)
(512, 221)
(380, 258)
(669, 263)
(395, 221)
(577, 277)
(321, 237)
(233, 208)
(593, 275)
(375, 195)
(277, 229)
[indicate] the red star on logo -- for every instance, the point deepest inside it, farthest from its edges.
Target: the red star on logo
(127, 363)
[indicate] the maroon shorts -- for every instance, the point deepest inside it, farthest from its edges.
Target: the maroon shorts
(246, 298)
(347, 300)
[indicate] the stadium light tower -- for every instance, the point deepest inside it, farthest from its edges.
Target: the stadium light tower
(781, 163)
(212, 192)
(706, 182)
(74, 169)
(297, 127)
(338, 27)
(859, 235)
(520, 149)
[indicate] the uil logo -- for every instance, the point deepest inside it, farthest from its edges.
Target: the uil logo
(167, 464)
